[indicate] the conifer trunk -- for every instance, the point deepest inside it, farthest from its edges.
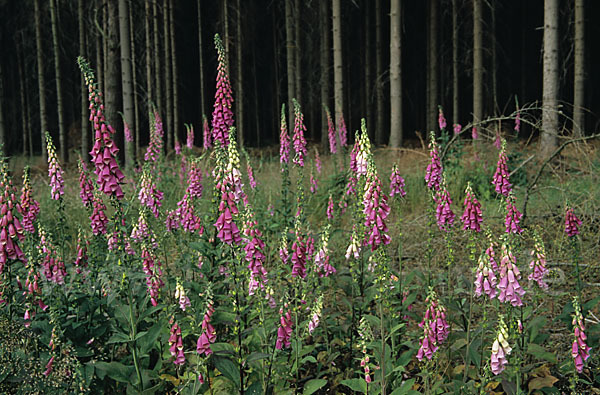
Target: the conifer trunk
(297, 53)
(579, 86)
(112, 93)
(23, 98)
(338, 82)
(325, 48)
(239, 82)
(2, 125)
(62, 132)
(149, 85)
(174, 78)
(168, 77)
(85, 125)
(432, 66)
(157, 71)
(289, 50)
(477, 62)
(41, 79)
(368, 83)
(136, 108)
(455, 81)
(201, 63)
(550, 79)
(396, 132)
(126, 79)
(378, 74)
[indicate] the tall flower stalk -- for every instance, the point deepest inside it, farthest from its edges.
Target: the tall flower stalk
(222, 119)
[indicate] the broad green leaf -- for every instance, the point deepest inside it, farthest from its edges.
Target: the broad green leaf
(540, 352)
(358, 385)
(147, 342)
(314, 385)
(255, 356)
(405, 388)
(115, 370)
(228, 369)
(118, 337)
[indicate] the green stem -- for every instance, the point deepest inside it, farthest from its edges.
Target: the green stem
(382, 334)
(132, 343)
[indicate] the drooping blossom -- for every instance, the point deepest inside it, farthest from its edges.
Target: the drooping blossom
(435, 327)
(365, 337)
(396, 183)
(141, 232)
(284, 140)
(53, 266)
(457, 128)
(181, 297)
(254, 248)
(354, 247)
(510, 289)
(32, 293)
(342, 131)
(318, 164)
(331, 135)
(433, 175)
(441, 118)
(222, 119)
(86, 188)
(30, 208)
(55, 171)
(330, 208)
(127, 132)
(104, 150)
(315, 315)
(513, 216)
(443, 212)
(11, 230)
(177, 147)
(298, 138)
(184, 216)
(176, 345)
(49, 366)
(538, 263)
(98, 219)
(376, 210)
(299, 256)
(500, 349)
(189, 142)
(250, 171)
(322, 265)
(284, 332)
(353, 154)
(501, 177)
(155, 146)
(149, 195)
(572, 223)
(363, 154)
(518, 122)
(284, 253)
(580, 351)
(485, 278)
(81, 261)
(209, 334)
(474, 133)
(313, 183)
(472, 217)
(152, 269)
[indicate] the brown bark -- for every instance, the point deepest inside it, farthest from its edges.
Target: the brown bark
(379, 74)
(432, 66)
(201, 63)
(477, 62)
(174, 71)
(2, 126)
(126, 79)
(113, 90)
(579, 86)
(325, 48)
(136, 107)
(239, 117)
(41, 79)
(85, 125)
(396, 132)
(168, 78)
(157, 71)
(149, 87)
(550, 79)
(338, 82)
(289, 46)
(455, 96)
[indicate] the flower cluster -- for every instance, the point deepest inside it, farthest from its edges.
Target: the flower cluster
(486, 280)
(141, 233)
(209, 335)
(284, 332)
(396, 183)
(299, 140)
(441, 118)
(284, 139)
(518, 122)
(254, 255)
(443, 212)
(572, 223)
(376, 211)
(33, 294)
(313, 183)
(365, 336)
(471, 217)
(98, 219)
(538, 263)
(81, 261)
(206, 134)
(86, 188)
(433, 175)
(299, 253)
(354, 246)
(250, 171)
(127, 132)
(342, 131)
(181, 297)
(222, 114)
(510, 290)
(177, 147)
(55, 172)
(156, 139)
(176, 345)
(361, 153)
(184, 215)
(435, 327)
(474, 133)
(579, 350)
(30, 208)
(52, 264)
(513, 216)
(152, 268)
(331, 133)
(500, 349)
(322, 265)
(149, 195)
(315, 315)
(330, 208)
(457, 128)
(501, 177)
(189, 142)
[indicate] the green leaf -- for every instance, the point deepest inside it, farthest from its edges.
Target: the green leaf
(358, 385)
(140, 335)
(146, 342)
(405, 388)
(308, 358)
(115, 370)
(150, 311)
(255, 356)
(228, 369)
(314, 385)
(540, 352)
(118, 337)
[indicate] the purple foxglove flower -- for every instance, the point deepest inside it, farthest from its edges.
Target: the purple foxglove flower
(457, 128)
(299, 140)
(284, 139)
(313, 184)
(189, 142)
(518, 122)
(435, 327)
(255, 256)
(127, 132)
(501, 177)
(572, 223)
(513, 217)
(209, 335)
(331, 133)
(55, 171)
(498, 140)
(441, 119)
(318, 164)
(500, 349)
(206, 134)
(222, 114)
(433, 175)
(342, 131)
(538, 263)
(330, 208)
(149, 195)
(177, 147)
(251, 179)
(153, 271)
(284, 333)
(353, 156)
(81, 261)
(580, 351)
(471, 217)
(322, 265)
(299, 256)
(98, 219)
(156, 139)
(181, 297)
(49, 367)
(376, 211)
(474, 133)
(396, 183)
(86, 192)
(443, 212)
(176, 345)
(315, 315)
(485, 281)
(510, 290)
(30, 208)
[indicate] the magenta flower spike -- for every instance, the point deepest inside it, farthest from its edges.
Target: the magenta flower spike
(318, 164)
(396, 183)
(55, 171)
(299, 140)
(331, 133)
(53, 266)
(376, 210)
(254, 249)
(443, 212)
(149, 195)
(189, 142)
(500, 349)
(176, 345)
(313, 183)
(342, 131)
(98, 219)
(11, 230)
(152, 269)
(518, 122)
(81, 261)
(156, 139)
(580, 351)
(510, 290)
(206, 134)
(209, 335)
(538, 263)
(471, 217)
(474, 133)
(322, 265)
(222, 114)
(284, 139)
(513, 216)
(251, 179)
(284, 333)
(177, 147)
(435, 327)
(354, 155)
(441, 118)
(433, 175)
(330, 208)
(127, 132)
(501, 177)
(30, 208)
(485, 278)
(86, 188)
(299, 255)
(572, 223)
(457, 128)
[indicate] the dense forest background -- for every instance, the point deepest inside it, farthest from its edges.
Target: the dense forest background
(162, 52)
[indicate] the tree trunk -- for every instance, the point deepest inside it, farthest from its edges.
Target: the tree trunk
(226, 25)
(579, 89)
(432, 67)
(239, 82)
(379, 74)
(24, 106)
(99, 61)
(494, 58)
(113, 90)
(202, 93)
(149, 85)
(157, 71)
(289, 52)
(62, 133)
(338, 82)
(396, 132)
(174, 71)
(368, 83)
(41, 79)
(325, 48)
(136, 123)
(127, 84)
(297, 53)
(550, 79)
(477, 62)
(3, 148)
(168, 78)
(455, 114)
(85, 125)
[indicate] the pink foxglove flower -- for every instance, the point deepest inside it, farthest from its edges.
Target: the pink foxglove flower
(510, 290)
(441, 119)
(86, 188)
(572, 223)
(579, 349)
(299, 247)
(209, 335)
(53, 266)
(49, 367)
(127, 132)
(149, 195)
(518, 122)
(284, 253)
(251, 179)
(315, 315)
(330, 208)
(322, 265)
(498, 140)
(255, 256)
(538, 263)
(313, 183)
(141, 233)
(55, 172)
(500, 349)
(485, 281)
(457, 128)
(443, 212)
(222, 114)
(354, 247)
(363, 154)
(353, 155)
(177, 147)
(181, 297)
(152, 269)
(189, 142)
(11, 230)
(435, 327)
(318, 164)
(474, 133)
(176, 345)
(30, 208)
(299, 140)
(433, 175)
(228, 183)
(184, 216)
(284, 332)
(376, 211)
(98, 219)
(396, 183)
(156, 139)
(513, 217)
(284, 140)
(331, 133)
(501, 177)
(472, 216)
(81, 261)
(342, 131)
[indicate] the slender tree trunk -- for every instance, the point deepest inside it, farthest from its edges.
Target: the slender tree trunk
(157, 70)
(2, 126)
(226, 25)
(325, 48)
(379, 74)
(149, 85)
(168, 77)
(256, 94)
(25, 89)
(289, 44)
(174, 71)
(432, 66)
(105, 42)
(84, 91)
(239, 82)
(202, 93)
(99, 61)
(396, 132)
(550, 79)
(494, 58)
(338, 82)
(579, 89)
(62, 132)
(136, 108)
(297, 52)
(368, 70)
(455, 114)
(113, 90)
(477, 61)
(41, 79)
(127, 83)
(22, 90)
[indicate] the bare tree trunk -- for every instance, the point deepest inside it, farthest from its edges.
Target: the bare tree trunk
(2, 126)
(84, 91)
(368, 60)
(174, 71)
(477, 62)
(105, 41)
(99, 61)
(325, 48)
(62, 132)
(378, 74)
(113, 90)
(455, 114)
(579, 89)
(149, 87)
(126, 82)
(550, 79)
(202, 93)
(239, 82)
(24, 107)
(289, 46)
(338, 82)
(255, 86)
(396, 132)
(136, 123)
(297, 52)
(41, 79)
(432, 66)
(494, 58)
(157, 70)
(226, 25)
(168, 77)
